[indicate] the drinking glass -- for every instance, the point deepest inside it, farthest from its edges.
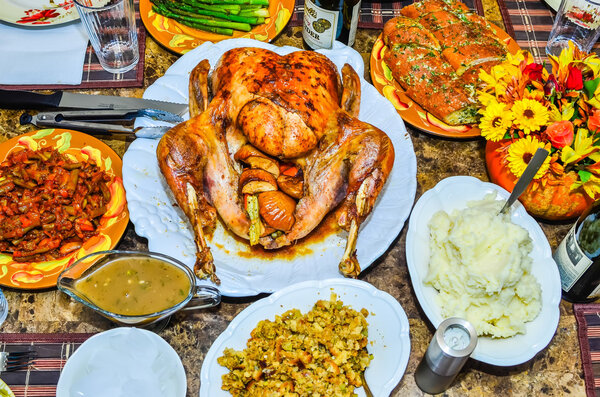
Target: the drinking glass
(110, 25)
(3, 308)
(577, 21)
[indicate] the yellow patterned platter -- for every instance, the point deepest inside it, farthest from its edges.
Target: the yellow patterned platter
(38, 275)
(181, 38)
(410, 111)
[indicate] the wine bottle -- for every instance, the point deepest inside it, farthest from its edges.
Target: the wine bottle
(350, 13)
(322, 23)
(578, 258)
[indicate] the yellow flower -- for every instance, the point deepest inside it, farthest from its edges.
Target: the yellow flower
(520, 154)
(495, 121)
(593, 62)
(530, 115)
(494, 82)
(582, 147)
(591, 186)
(560, 64)
(568, 110)
(486, 98)
(494, 77)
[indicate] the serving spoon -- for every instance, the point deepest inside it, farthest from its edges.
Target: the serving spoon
(530, 171)
(365, 386)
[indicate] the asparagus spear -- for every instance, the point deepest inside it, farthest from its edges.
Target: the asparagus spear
(217, 16)
(261, 13)
(194, 13)
(232, 8)
(227, 31)
(223, 8)
(240, 2)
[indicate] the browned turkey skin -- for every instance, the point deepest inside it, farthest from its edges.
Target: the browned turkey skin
(292, 109)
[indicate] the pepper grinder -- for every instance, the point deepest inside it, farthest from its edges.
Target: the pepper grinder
(452, 344)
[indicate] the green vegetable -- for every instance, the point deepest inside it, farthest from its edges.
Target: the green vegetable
(194, 13)
(260, 12)
(217, 16)
(252, 210)
(199, 23)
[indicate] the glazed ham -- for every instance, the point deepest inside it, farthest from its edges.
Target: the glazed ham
(435, 52)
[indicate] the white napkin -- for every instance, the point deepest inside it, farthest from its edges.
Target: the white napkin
(51, 55)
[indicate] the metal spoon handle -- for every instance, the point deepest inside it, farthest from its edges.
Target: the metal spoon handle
(368, 392)
(530, 171)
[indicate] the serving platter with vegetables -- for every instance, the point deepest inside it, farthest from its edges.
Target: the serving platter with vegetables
(182, 25)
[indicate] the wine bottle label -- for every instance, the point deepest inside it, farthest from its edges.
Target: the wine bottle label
(353, 24)
(571, 260)
(320, 25)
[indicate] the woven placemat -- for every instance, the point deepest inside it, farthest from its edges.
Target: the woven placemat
(588, 330)
(532, 22)
(374, 15)
(93, 76)
(52, 352)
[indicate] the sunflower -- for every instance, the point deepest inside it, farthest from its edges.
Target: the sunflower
(530, 115)
(520, 154)
(495, 121)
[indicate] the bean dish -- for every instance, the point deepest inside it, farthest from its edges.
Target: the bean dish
(50, 204)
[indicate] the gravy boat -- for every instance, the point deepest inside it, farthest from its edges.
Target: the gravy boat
(199, 296)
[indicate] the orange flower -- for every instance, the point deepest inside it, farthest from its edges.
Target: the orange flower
(560, 133)
(594, 121)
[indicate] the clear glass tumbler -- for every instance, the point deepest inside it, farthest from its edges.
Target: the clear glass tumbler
(110, 25)
(577, 21)
(3, 308)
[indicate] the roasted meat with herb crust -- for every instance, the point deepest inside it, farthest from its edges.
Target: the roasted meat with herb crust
(435, 52)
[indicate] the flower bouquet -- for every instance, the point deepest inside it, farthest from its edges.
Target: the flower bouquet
(525, 107)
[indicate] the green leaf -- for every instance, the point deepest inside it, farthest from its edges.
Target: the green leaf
(590, 87)
(584, 176)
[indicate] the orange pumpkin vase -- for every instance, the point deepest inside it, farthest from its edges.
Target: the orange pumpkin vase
(553, 201)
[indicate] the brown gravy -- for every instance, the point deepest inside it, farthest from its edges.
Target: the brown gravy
(327, 227)
(135, 286)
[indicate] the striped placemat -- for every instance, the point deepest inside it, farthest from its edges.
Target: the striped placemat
(374, 15)
(93, 76)
(52, 352)
(528, 21)
(532, 21)
(588, 328)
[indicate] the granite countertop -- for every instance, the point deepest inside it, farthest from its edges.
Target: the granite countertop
(555, 371)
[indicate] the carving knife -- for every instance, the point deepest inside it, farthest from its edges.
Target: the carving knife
(14, 99)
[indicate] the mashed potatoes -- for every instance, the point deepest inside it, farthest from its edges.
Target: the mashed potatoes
(480, 265)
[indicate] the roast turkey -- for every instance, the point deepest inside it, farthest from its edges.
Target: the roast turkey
(270, 114)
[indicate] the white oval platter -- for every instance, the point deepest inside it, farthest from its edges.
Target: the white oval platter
(454, 193)
(155, 216)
